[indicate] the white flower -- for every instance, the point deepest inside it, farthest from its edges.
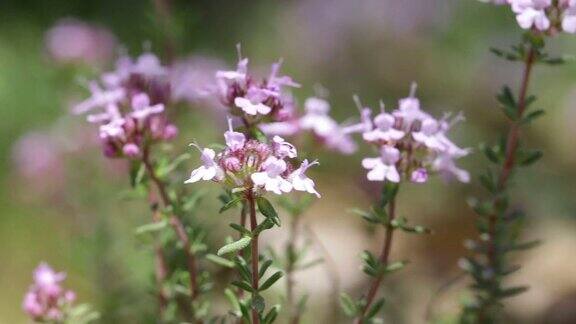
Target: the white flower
(532, 17)
(384, 130)
(569, 20)
(445, 166)
(99, 98)
(285, 128)
(270, 178)
(428, 134)
(142, 109)
(384, 167)
(300, 181)
(234, 140)
(282, 148)
(315, 105)
(251, 108)
(276, 82)
(209, 169)
(238, 75)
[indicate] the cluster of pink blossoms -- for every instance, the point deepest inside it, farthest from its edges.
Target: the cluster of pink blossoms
(128, 105)
(544, 15)
(46, 300)
(412, 144)
(249, 164)
(254, 100)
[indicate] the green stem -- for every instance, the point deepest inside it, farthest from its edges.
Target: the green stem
(254, 251)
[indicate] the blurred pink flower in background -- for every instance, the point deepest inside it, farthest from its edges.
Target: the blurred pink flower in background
(192, 79)
(37, 155)
(46, 300)
(74, 41)
(329, 25)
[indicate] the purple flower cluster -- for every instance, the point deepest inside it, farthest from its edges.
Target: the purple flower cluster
(254, 100)
(128, 105)
(250, 164)
(46, 299)
(411, 143)
(544, 15)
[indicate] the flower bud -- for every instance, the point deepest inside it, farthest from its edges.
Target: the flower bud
(131, 150)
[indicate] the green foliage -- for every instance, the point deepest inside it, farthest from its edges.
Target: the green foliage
(81, 314)
(498, 225)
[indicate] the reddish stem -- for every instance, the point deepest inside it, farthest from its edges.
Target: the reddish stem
(383, 259)
(511, 148)
(175, 223)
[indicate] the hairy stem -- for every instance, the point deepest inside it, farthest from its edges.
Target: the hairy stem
(254, 250)
(383, 259)
(176, 224)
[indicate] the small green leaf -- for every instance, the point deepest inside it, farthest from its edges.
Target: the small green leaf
(531, 157)
(395, 266)
(389, 191)
(268, 223)
(233, 299)
(348, 305)
(243, 285)
(152, 227)
(220, 261)
(510, 292)
(272, 314)
(241, 229)
(531, 116)
(525, 245)
(266, 208)
(265, 265)
(375, 308)
(270, 281)
(231, 203)
(258, 303)
(235, 246)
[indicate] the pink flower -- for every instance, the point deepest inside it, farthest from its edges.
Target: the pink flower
(141, 108)
(209, 169)
(531, 17)
(428, 134)
(72, 40)
(444, 164)
(419, 175)
(234, 140)
(282, 148)
(411, 142)
(254, 165)
(238, 89)
(384, 130)
(271, 176)
(128, 104)
(252, 107)
(326, 129)
(384, 167)
(46, 299)
(300, 181)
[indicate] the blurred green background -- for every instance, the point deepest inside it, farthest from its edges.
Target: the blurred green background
(66, 211)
